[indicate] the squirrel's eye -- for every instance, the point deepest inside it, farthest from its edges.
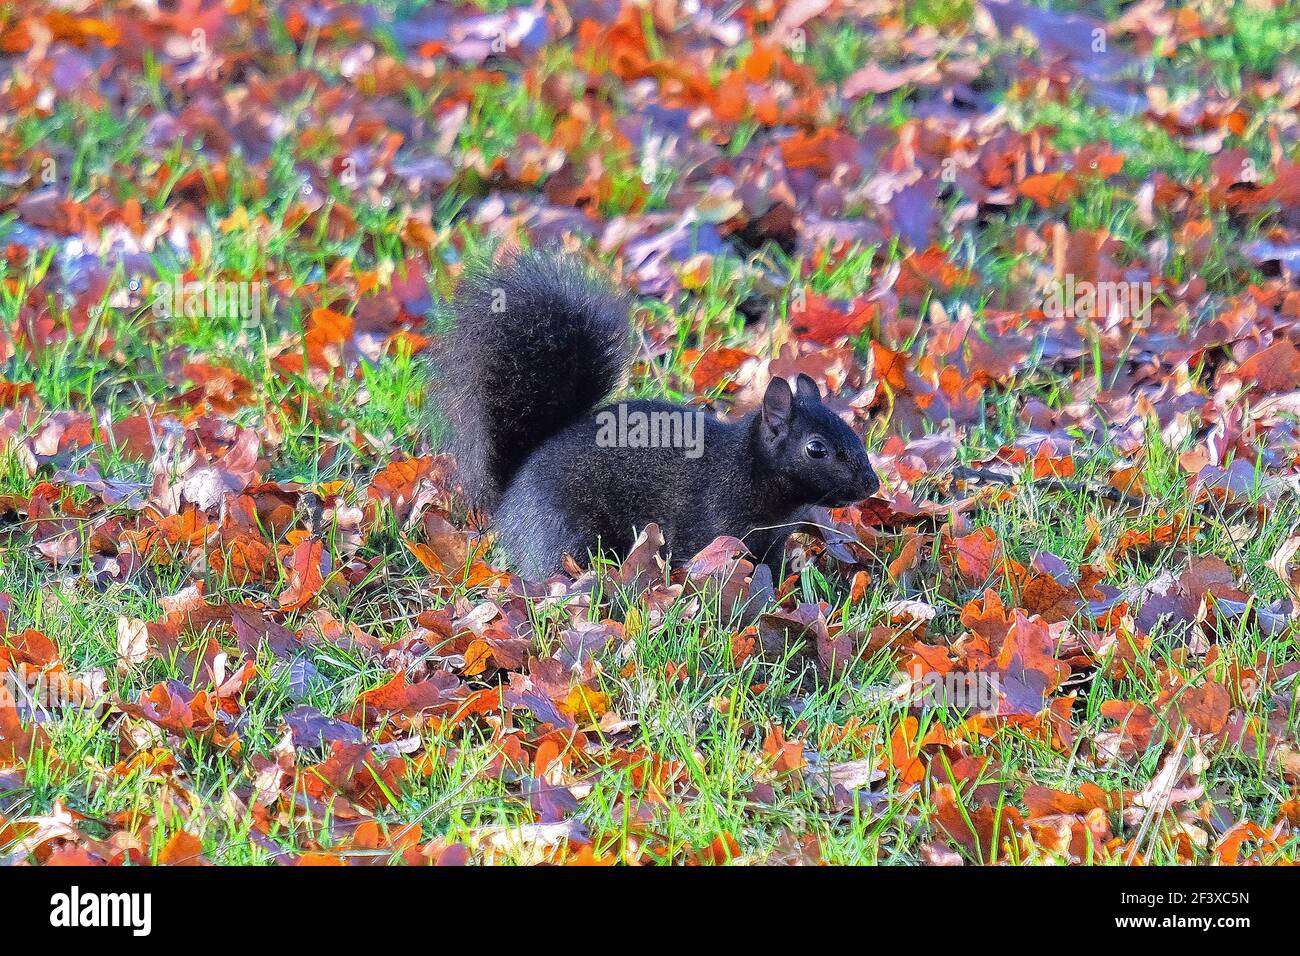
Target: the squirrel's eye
(816, 448)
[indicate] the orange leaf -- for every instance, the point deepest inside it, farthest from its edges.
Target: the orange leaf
(305, 579)
(1049, 189)
(183, 849)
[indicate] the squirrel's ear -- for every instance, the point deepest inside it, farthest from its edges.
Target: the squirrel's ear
(777, 405)
(806, 389)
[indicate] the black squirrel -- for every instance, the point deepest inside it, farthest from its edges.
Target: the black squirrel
(537, 344)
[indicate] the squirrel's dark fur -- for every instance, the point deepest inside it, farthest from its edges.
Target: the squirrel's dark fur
(537, 345)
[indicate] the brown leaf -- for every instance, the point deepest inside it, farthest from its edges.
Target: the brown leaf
(1272, 369)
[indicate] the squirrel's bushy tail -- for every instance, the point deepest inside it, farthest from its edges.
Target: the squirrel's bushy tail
(536, 343)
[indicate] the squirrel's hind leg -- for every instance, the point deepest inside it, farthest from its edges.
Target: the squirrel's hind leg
(536, 539)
